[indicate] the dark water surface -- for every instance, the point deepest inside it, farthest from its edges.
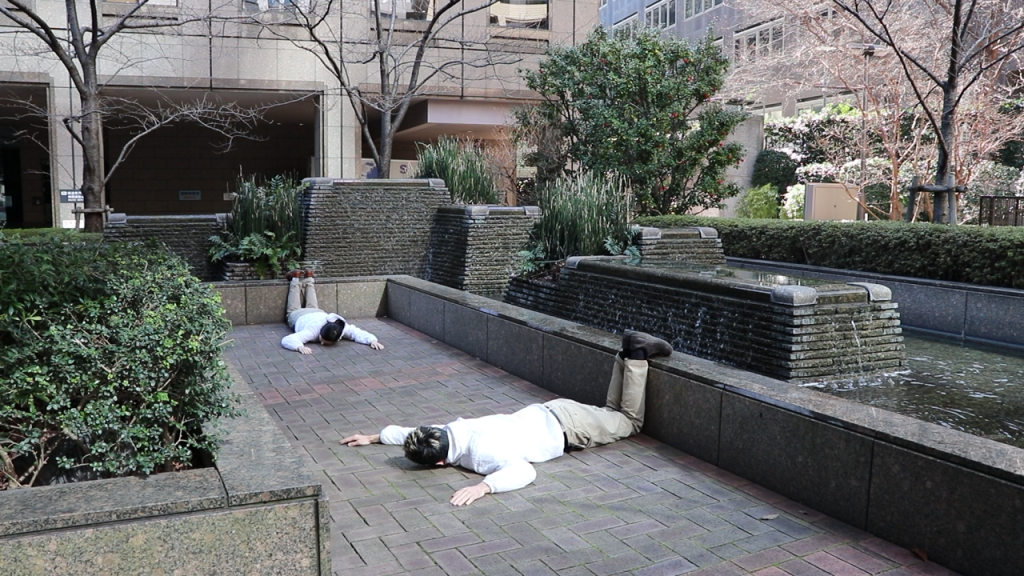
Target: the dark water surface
(967, 387)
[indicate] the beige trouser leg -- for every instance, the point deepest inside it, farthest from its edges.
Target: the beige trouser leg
(296, 290)
(587, 426)
(294, 297)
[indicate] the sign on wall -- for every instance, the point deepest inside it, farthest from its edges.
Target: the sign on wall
(71, 196)
(190, 194)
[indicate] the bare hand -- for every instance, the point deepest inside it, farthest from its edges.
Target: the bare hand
(470, 494)
(360, 440)
(305, 350)
(376, 345)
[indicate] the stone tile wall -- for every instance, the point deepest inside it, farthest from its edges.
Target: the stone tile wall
(371, 227)
(186, 236)
(474, 248)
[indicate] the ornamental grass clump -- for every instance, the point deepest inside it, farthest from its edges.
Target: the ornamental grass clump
(583, 215)
(110, 362)
(462, 165)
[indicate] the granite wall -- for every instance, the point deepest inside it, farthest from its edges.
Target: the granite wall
(186, 236)
(796, 333)
(474, 248)
(257, 511)
(370, 227)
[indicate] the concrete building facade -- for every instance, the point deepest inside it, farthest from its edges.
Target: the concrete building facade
(252, 54)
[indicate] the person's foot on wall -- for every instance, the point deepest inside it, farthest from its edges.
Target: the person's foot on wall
(646, 345)
(309, 273)
(293, 274)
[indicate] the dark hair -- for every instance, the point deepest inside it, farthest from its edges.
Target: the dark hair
(331, 332)
(426, 445)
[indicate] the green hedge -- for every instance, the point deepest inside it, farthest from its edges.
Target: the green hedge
(110, 362)
(45, 234)
(990, 256)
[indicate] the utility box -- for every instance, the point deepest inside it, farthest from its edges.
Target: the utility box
(830, 202)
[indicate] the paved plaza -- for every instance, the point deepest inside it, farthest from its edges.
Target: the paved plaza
(633, 507)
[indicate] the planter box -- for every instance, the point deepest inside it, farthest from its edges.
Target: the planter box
(257, 510)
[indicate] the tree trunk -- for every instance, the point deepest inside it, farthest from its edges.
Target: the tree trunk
(92, 163)
(386, 145)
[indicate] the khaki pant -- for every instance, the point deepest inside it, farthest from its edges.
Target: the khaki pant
(294, 308)
(622, 415)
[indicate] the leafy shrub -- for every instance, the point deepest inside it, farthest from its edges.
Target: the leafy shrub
(774, 167)
(989, 256)
(760, 202)
(110, 362)
(265, 227)
(462, 166)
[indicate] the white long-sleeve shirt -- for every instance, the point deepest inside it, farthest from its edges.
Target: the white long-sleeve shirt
(502, 447)
(307, 329)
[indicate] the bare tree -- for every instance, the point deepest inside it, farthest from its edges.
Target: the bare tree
(384, 62)
(902, 68)
(946, 48)
(90, 47)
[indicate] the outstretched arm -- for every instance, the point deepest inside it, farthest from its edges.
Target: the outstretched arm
(361, 336)
(361, 440)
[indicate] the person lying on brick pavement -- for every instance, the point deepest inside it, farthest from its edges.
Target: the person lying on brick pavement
(503, 447)
(311, 323)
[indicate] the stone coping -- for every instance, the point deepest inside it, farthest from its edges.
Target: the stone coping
(255, 465)
(284, 282)
(823, 293)
(973, 452)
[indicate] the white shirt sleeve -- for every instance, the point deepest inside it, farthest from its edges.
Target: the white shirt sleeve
(394, 435)
(294, 340)
(512, 476)
(358, 335)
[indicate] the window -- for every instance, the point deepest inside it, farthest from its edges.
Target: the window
(758, 42)
(627, 25)
(402, 9)
(520, 14)
(271, 5)
(662, 14)
(150, 3)
(693, 8)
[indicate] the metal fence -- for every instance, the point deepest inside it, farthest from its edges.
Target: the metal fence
(1001, 211)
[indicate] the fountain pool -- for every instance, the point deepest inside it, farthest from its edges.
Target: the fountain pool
(967, 387)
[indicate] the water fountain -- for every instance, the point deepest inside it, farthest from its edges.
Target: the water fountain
(790, 328)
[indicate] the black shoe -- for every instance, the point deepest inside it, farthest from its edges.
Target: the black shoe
(639, 341)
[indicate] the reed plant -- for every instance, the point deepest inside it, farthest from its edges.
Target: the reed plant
(463, 167)
(581, 216)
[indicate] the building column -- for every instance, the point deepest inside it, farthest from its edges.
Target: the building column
(65, 154)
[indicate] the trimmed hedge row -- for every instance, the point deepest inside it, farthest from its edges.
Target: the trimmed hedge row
(110, 362)
(990, 256)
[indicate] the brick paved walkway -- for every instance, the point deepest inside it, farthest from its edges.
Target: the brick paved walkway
(636, 506)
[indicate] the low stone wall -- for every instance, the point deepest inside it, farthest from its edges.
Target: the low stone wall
(370, 227)
(790, 332)
(474, 248)
(264, 301)
(257, 511)
(186, 236)
(956, 497)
